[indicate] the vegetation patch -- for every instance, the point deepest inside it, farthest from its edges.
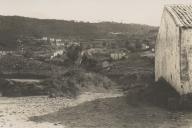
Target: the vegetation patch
(75, 81)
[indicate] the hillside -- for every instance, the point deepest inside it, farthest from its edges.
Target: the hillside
(14, 27)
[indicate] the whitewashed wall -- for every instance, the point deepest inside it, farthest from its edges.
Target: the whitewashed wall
(167, 52)
(186, 60)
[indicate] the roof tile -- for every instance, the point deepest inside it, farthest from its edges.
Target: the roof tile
(183, 13)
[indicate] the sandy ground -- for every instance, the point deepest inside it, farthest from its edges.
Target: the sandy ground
(15, 112)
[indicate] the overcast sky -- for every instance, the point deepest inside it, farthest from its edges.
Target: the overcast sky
(127, 11)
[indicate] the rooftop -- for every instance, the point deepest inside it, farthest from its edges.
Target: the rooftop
(182, 14)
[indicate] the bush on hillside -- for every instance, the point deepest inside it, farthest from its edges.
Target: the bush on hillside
(74, 81)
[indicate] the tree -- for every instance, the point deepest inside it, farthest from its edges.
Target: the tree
(73, 52)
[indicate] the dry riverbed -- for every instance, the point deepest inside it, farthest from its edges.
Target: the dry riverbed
(15, 112)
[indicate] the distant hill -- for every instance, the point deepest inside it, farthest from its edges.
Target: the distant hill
(14, 27)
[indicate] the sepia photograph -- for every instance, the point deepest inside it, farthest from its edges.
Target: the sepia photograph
(95, 64)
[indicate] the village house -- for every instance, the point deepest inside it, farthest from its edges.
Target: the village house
(52, 39)
(59, 44)
(173, 51)
(58, 40)
(3, 52)
(144, 46)
(56, 53)
(45, 38)
(118, 56)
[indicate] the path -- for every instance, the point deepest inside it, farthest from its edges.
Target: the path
(14, 112)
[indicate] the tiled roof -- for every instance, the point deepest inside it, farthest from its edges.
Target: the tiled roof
(182, 14)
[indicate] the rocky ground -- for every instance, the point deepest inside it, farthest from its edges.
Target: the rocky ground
(15, 112)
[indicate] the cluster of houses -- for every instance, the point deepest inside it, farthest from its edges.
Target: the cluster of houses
(59, 42)
(51, 39)
(118, 55)
(56, 53)
(101, 43)
(96, 43)
(113, 43)
(3, 53)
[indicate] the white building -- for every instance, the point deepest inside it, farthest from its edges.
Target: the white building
(173, 52)
(45, 38)
(52, 39)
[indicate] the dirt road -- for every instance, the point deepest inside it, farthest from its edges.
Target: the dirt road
(89, 110)
(15, 112)
(118, 112)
